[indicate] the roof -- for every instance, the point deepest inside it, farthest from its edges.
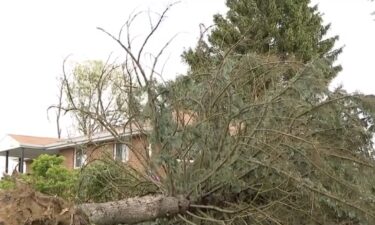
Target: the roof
(97, 137)
(33, 140)
(27, 146)
(13, 141)
(23, 145)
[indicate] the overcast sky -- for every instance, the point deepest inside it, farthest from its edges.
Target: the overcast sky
(35, 37)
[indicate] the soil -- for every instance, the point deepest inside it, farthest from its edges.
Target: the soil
(24, 206)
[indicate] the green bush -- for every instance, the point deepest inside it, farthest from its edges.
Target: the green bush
(99, 181)
(6, 183)
(43, 163)
(51, 177)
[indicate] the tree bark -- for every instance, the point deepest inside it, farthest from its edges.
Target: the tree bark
(134, 210)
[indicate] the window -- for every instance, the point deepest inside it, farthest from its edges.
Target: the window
(121, 152)
(79, 158)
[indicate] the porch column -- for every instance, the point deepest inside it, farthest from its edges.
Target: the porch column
(6, 162)
(21, 161)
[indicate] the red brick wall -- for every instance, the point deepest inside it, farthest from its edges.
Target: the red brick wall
(68, 154)
(138, 152)
(28, 165)
(99, 151)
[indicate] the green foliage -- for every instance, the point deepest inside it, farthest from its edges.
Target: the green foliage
(6, 183)
(285, 28)
(269, 143)
(42, 165)
(298, 153)
(51, 177)
(109, 180)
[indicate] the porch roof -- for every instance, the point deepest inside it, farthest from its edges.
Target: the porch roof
(31, 146)
(28, 153)
(33, 140)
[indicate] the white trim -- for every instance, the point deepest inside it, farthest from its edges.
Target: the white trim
(7, 142)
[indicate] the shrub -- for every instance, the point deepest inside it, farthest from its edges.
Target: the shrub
(51, 177)
(6, 183)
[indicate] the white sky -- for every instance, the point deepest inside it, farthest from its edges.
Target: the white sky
(35, 37)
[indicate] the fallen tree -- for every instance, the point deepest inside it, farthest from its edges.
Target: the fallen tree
(24, 206)
(269, 143)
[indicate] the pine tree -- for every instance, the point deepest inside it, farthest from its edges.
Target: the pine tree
(259, 149)
(288, 28)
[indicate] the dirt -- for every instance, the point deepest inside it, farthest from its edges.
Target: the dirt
(24, 206)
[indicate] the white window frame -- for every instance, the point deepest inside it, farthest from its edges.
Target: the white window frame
(83, 160)
(124, 153)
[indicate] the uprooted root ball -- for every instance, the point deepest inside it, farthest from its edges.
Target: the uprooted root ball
(24, 206)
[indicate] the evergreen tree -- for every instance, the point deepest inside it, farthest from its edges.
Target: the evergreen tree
(288, 28)
(254, 147)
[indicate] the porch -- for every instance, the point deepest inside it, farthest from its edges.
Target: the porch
(24, 148)
(23, 154)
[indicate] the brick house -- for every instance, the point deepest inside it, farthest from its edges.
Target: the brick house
(132, 149)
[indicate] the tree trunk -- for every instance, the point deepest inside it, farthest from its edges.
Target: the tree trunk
(24, 206)
(134, 210)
